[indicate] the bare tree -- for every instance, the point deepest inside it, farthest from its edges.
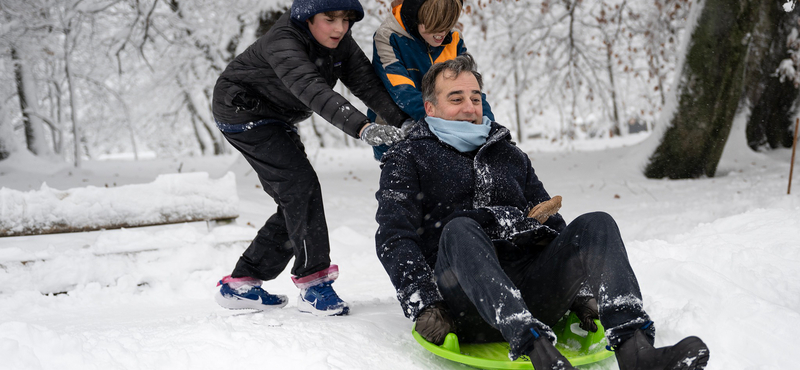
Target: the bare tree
(24, 24)
(566, 55)
(7, 145)
(35, 136)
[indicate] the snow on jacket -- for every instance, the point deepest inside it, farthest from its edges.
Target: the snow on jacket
(401, 57)
(286, 75)
(424, 180)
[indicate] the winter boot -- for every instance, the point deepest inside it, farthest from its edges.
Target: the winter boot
(545, 356)
(638, 353)
(317, 296)
(246, 292)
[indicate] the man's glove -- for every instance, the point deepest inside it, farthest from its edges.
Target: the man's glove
(381, 134)
(542, 211)
(433, 323)
(586, 310)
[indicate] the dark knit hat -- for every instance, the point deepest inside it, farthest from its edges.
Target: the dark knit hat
(302, 10)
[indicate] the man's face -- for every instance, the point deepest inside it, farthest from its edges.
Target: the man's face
(328, 31)
(433, 39)
(457, 99)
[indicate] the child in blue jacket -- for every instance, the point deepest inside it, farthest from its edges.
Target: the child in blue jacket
(415, 36)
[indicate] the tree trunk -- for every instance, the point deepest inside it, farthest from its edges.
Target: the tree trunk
(708, 91)
(35, 135)
(73, 99)
(772, 114)
(517, 108)
(7, 145)
(615, 129)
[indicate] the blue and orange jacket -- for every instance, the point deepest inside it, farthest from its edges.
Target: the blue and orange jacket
(401, 57)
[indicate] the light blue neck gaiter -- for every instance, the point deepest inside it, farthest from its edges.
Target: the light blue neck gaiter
(462, 135)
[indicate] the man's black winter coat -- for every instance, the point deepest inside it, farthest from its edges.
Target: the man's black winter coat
(425, 182)
(286, 75)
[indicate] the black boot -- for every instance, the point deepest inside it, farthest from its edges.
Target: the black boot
(545, 356)
(638, 353)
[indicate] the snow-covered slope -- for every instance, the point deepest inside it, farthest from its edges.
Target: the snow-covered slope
(715, 257)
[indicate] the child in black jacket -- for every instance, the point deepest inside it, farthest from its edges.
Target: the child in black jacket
(280, 80)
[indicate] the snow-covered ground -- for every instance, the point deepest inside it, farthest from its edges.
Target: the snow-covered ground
(716, 257)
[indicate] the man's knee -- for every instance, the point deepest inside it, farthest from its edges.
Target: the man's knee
(462, 231)
(460, 225)
(597, 220)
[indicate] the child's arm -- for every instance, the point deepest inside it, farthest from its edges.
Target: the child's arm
(359, 76)
(286, 54)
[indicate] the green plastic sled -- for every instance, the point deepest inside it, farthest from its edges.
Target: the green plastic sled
(577, 345)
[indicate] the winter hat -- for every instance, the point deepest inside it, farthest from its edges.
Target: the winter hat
(302, 10)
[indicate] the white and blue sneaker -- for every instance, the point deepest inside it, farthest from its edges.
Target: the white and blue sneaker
(321, 300)
(246, 292)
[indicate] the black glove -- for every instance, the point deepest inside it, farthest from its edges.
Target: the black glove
(434, 323)
(586, 310)
(538, 237)
(376, 135)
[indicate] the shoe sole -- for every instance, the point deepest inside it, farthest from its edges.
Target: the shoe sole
(695, 355)
(241, 304)
(306, 307)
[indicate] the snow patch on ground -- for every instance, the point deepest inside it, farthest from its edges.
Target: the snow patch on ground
(715, 257)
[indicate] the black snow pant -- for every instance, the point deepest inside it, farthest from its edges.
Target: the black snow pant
(498, 291)
(298, 229)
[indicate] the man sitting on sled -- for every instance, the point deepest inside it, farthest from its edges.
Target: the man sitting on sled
(469, 251)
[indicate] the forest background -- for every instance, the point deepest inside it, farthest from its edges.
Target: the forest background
(94, 79)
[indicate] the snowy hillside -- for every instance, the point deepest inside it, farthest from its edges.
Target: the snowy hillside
(715, 257)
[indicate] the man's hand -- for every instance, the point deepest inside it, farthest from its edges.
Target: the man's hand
(542, 211)
(586, 310)
(433, 323)
(375, 135)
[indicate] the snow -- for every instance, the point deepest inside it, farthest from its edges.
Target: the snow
(715, 257)
(170, 198)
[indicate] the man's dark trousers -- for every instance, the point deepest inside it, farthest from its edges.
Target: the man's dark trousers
(489, 286)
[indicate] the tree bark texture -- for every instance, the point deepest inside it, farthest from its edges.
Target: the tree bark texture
(6, 135)
(708, 92)
(35, 135)
(772, 101)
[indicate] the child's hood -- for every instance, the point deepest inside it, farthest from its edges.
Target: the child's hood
(409, 13)
(302, 10)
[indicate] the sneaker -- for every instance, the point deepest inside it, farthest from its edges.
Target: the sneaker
(240, 293)
(321, 300)
(638, 353)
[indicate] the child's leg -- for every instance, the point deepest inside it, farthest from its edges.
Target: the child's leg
(269, 253)
(278, 157)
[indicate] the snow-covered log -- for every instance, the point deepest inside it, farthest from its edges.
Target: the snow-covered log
(171, 198)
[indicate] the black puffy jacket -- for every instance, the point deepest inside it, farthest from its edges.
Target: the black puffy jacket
(286, 75)
(424, 180)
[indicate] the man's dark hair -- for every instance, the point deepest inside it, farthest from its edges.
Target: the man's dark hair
(455, 67)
